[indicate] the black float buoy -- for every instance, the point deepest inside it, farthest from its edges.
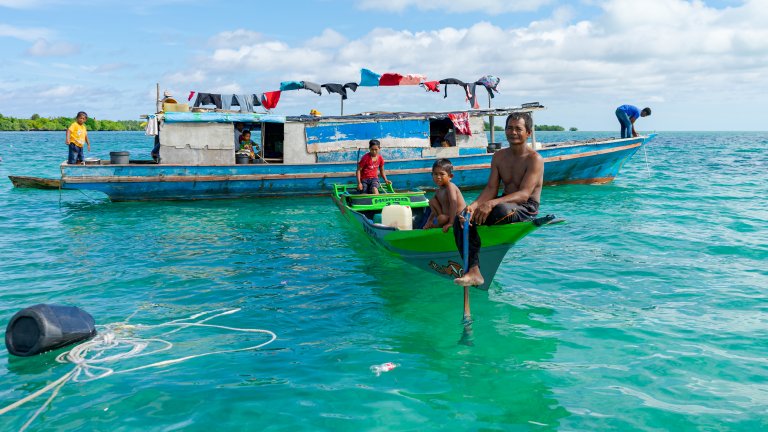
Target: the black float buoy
(44, 327)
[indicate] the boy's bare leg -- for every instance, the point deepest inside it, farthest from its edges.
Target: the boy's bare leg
(442, 219)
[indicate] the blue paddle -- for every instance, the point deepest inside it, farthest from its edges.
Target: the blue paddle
(467, 319)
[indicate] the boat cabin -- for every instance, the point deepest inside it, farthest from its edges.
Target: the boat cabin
(210, 138)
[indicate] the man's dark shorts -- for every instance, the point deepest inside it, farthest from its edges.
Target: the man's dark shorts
(370, 185)
(506, 213)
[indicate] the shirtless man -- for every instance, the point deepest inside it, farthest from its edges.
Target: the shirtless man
(521, 170)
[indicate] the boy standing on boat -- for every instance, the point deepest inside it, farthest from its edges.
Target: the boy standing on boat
(368, 169)
(448, 200)
(521, 170)
(77, 136)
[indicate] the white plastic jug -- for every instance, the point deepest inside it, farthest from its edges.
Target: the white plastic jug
(398, 216)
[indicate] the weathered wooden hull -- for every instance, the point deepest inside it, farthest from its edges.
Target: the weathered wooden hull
(592, 162)
(35, 182)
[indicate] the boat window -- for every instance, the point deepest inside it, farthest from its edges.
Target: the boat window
(441, 133)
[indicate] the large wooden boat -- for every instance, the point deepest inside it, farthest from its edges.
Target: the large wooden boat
(305, 155)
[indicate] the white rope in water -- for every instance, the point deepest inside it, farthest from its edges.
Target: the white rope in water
(91, 361)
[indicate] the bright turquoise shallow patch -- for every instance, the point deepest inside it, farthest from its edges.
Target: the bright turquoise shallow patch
(646, 311)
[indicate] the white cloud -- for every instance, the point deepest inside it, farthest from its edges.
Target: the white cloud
(25, 34)
(492, 7)
(186, 77)
(62, 91)
(235, 38)
(328, 39)
(43, 48)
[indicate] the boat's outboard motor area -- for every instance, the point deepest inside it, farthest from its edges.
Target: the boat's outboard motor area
(44, 327)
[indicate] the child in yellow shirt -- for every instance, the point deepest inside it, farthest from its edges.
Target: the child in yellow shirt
(77, 136)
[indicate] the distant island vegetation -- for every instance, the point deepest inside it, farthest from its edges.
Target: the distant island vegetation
(535, 127)
(37, 123)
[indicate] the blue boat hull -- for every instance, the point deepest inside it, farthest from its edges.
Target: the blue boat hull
(597, 162)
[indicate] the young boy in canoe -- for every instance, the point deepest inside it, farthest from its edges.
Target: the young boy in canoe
(77, 136)
(368, 169)
(448, 200)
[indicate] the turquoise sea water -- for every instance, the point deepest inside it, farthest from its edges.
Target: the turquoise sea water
(648, 310)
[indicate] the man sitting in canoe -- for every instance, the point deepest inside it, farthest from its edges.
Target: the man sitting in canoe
(521, 170)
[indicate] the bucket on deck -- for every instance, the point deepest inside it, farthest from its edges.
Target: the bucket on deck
(242, 159)
(398, 216)
(44, 327)
(119, 157)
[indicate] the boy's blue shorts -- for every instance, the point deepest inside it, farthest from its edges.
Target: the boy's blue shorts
(370, 185)
(75, 154)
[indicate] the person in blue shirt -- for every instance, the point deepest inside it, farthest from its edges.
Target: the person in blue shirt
(627, 114)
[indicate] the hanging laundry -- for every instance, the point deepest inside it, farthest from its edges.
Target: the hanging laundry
(472, 95)
(227, 101)
(412, 79)
(461, 123)
(255, 100)
(336, 88)
(432, 86)
(191, 94)
(151, 128)
(244, 102)
(269, 100)
(490, 83)
(313, 87)
(369, 78)
(291, 85)
(451, 81)
(208, 99)
(352, 86)
(390, 79)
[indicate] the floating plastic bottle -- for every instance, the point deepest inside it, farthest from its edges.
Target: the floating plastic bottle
(384, 367)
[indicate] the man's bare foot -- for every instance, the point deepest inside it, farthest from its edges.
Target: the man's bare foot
(472, 278)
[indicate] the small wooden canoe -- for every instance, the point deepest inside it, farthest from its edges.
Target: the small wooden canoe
(35, 182)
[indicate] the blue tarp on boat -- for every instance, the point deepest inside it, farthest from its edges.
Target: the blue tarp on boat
(221, 117)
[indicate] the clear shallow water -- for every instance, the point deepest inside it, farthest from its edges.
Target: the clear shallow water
(646, 311)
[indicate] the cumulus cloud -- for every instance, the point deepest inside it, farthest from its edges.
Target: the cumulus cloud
(492, 7)
(43, 48)
(653, 51)
(28, 34)
(62, 91)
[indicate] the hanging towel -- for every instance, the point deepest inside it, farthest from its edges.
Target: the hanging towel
(461, 123)
(412, 79)
(313, 87)
(369, 78)
(490, 83)
(432, 86)
(451, 81)
(244, 102)
(269, 100)
(208, 99)
(227, 101)
(336, 88)
(352, 86)
(191, 94)
(255, 101)
(472, 96)
(151, 128)
(291, 85)
(390, 79)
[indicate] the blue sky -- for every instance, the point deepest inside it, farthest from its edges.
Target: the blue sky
(700, 65)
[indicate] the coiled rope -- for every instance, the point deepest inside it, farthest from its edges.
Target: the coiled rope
(91, 361)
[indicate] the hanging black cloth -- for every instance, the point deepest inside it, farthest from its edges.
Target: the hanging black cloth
(336, 88)
(208, 99)
(452, 81)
